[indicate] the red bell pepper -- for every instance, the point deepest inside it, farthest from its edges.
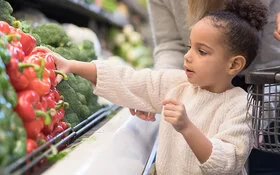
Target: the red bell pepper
(31, 145)
(57, 129)
(15, 47)
(28, 42)
(4, 27)
(25, 107)
(21, 73)
(16, 51)
(34, 127)
(58, 117)
(42, 83)
(41, 138)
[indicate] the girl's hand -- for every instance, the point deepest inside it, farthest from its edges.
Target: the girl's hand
(148, 116)
(175, 113)
(61, 63)
(277, 30)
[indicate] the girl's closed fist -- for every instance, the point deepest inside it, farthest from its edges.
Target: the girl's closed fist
(175, 114)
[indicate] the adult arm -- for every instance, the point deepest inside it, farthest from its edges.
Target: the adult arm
(169, 46)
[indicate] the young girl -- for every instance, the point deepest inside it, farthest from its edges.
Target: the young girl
(204, 128)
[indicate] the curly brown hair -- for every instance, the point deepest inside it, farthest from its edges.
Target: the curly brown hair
(240, 22)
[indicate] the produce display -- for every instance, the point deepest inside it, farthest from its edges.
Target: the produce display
(129, 45)
(34, 108)
(77, 91)
(32, 74)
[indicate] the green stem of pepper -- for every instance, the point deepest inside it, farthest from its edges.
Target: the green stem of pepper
(65, 77)
(12, 37)
(21, 66)
(52, 112)
(42, 68)
(17, 24)
(60, 104)
(47, 118)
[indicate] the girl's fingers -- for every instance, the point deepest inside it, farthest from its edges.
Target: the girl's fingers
(170, 114)
(171, 101)
(151, 116)
(142, 115)
(132, 111)
(170, 120)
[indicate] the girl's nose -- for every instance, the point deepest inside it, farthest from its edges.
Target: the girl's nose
(187, 57)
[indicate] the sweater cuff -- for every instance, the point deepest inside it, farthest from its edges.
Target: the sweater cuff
(100, 72)
(217, 163)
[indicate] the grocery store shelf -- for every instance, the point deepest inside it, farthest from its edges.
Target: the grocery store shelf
(67, 7)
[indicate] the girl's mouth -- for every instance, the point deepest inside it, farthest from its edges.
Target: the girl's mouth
(189, 72)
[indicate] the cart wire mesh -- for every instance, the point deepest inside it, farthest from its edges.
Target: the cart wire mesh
(263, 108)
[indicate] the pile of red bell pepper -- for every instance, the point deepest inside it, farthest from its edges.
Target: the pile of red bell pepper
(32, 74)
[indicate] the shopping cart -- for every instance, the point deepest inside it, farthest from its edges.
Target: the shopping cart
(264, 108)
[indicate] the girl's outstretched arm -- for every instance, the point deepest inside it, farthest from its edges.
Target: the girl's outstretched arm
(86, 70)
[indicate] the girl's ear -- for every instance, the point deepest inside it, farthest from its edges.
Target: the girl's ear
(236, 64)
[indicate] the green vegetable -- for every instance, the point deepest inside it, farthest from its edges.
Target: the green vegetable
(5, 12)
(78, 92)
(52, 34)
(12, 132)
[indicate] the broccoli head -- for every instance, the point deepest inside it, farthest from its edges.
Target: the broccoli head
(78, 92)
(52, 34)
(76, 52)
(87, 50)
(5, 12)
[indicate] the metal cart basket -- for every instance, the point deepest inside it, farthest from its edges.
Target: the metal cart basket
(264, 108)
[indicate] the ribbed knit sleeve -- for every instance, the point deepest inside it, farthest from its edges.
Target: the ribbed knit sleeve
(143, 89)
(233, 141)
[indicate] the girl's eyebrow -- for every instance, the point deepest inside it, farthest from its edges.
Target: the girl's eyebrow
(205, 45)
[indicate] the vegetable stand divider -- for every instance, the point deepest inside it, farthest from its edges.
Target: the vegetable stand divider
(264, 108)
(30, 162)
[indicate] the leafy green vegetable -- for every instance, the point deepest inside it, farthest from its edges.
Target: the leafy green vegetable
(5, 12)
(52, 34)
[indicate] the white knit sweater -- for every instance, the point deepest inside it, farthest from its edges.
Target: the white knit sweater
(221, 117)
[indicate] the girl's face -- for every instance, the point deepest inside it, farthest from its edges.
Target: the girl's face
(207, 61)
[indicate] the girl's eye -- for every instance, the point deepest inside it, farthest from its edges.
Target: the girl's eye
(201, 52)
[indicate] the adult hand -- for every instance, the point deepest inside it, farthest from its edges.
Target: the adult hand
(175, 114)
(277, 29)
(148, 116)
